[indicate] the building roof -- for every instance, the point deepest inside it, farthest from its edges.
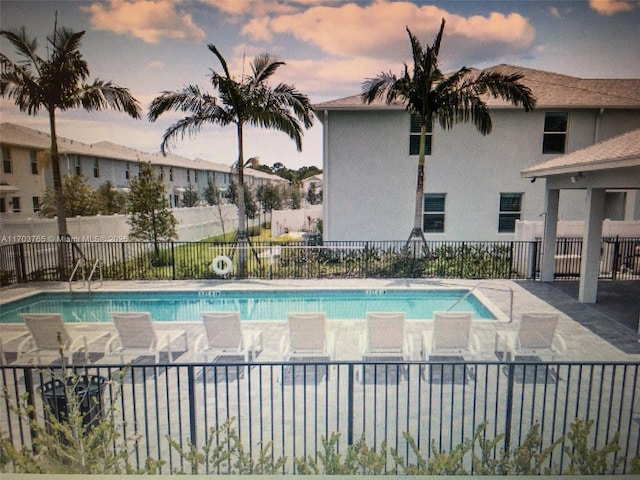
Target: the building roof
(618, 152)
(20, 136)
(550, 89)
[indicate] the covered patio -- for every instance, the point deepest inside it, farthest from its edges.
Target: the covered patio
(609, 165)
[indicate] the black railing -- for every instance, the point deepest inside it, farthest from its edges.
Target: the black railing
(294, 405)
(35, 261)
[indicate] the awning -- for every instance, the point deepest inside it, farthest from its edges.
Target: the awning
(8, 189)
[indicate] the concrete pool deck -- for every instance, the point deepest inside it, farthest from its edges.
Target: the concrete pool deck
(600, 332)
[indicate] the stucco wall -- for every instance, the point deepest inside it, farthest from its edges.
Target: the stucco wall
(371, 179)
(193, 224)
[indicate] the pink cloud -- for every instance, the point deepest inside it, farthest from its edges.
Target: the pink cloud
(355, 29)
(611, 7)
(149, 21)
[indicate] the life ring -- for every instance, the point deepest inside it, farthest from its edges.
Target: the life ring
(226, 267)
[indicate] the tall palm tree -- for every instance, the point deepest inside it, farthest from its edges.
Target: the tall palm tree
(450, 99)
(245, 101)
(56, 82)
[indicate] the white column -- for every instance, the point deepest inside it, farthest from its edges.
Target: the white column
(591, 245)
(548, 268)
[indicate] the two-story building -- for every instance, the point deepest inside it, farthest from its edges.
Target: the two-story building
(473, 187)
(26, 171)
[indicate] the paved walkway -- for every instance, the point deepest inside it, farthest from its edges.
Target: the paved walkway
(614, 317)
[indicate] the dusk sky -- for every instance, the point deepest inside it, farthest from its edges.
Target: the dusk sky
(329, 48)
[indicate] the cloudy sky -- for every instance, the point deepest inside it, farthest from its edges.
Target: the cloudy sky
(329, 47)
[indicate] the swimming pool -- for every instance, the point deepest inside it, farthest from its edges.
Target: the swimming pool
(252, 305)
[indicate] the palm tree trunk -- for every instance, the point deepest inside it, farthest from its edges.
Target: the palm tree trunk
(417, 231)
(242, 229)
(63, 233)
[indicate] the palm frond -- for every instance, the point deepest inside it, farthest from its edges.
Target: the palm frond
(25, 47)
(189, 99)
(221, 59)
(101, 95)
(263, 67)
(438, 40)
(376, 88)
(507, 87)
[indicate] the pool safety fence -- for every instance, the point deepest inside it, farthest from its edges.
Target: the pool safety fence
(37, 261)
(290, 407)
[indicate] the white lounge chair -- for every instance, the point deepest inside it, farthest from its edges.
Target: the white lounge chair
(137, 336)
(385, 337)
(451, 336)
(6, 337)
(224, 335)
(307, 338)
(536, 336)
(50, 335)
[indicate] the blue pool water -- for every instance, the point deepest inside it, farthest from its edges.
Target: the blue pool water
(252, 305)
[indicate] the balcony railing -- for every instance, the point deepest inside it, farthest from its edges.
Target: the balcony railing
(295, 405)
(36, 261)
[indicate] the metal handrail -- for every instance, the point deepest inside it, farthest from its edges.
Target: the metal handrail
(79, 263)
(98, 265)
(489, 286)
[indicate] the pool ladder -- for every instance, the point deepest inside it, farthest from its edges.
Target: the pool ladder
(80, 267)
(489, 286)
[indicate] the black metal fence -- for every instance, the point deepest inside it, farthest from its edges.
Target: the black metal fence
(290, 407)
(34, 261)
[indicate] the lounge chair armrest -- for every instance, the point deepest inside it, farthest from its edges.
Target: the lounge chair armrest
(284, 346)
(427, 344)
(408, 346)
(474, 345)
(506, 342)
(331, 345)
(559, 344)
(112, 345)
(199, 345)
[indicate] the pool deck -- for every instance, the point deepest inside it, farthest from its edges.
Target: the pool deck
(605, 331)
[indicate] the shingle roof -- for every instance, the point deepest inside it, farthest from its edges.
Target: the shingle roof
(617, 152)
(18, 135)
(550, 89)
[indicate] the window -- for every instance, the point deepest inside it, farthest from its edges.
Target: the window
(510, 211)
(555, 132)
(127, 171)
(433, 213)
(171, 174)
(195, 176)
(96, 168)
(15, 203)
(34, 162)
(36, 203)
(414, 137)
(6, 160)
(188, 176)
(3, 205)
(78, 166)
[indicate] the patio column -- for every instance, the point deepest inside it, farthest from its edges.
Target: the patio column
(548, 268)
(591, 246)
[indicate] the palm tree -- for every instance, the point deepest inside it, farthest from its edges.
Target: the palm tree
(57, 83)
(245, 101)
(450, 99)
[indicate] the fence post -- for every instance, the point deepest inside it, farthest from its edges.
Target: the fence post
(350, 406)
(533, 260)
(192, 403)
(614, 260)
(173, 263)
(509, 407)
(21, 268)
(28, 387)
